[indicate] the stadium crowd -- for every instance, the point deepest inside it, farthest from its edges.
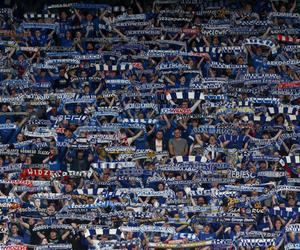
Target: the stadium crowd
(172, 124)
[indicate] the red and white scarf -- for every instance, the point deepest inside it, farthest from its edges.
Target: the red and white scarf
(287, 39)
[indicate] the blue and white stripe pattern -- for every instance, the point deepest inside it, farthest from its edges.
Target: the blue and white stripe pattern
(283, 110)
(102, 231)
(189, 236)
(284, 211)
(118, 67)
(143, 121)
(290, 160)
(113, 165)
(40, 16)
(185, 95)
(189, 158)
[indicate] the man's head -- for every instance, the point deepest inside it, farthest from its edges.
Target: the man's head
(177, 133)
(53, 234)
(159, 135)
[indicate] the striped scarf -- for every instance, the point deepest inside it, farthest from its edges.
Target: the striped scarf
(287, 39)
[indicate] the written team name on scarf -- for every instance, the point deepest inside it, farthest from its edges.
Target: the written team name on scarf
(24, 151)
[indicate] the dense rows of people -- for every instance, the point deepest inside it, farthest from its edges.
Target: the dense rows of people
(168, 125)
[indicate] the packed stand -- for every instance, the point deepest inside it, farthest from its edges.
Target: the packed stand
(172, 125)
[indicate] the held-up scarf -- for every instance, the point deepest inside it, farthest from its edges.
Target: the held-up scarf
(126, 244)
(284, 15)
(78, 174)
(216, 242)
(53, 226)
(13, 247)
(287, 39)
(36, 173)
(119, 67)
(23, 151)
(146, 228)
(261, 42)
(39, 16)
(54, 247)
(256, 242)
(51, 26)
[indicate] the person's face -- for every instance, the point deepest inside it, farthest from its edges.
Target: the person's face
(185, 105)
(68, 34)
(20, 137)
(90, 46)
(206, 229)
(80, 155)
(78, 109)
(78, 34)
(141, 116)
(240, 60)
(227, 58)
(90, 157)
(228, 72)
(212, 140)
(258, 51)
(156, 239)
(53, 110)
(159, 135)
(272, 71)
(194, 123)
(89, 17)
(182, 79)
(14, 229)
(263, 165)
(53, 235)
(31, 221)
(280, 120)
(201, 201)
(63, 15)
(4, 108)
(292, 235)
(37, 33)
(251, 70)
(215, 40)
(28, 160)
(68, 188)
(51, 209)
(20, 58)
(22, 157)
(177, 133)
(278, 224)
(291, 202)
(248, 8)
(52, 151)
(265, 136)
(86, 89)
(179, 195)
(237, 228)
(160, 187)
(282, 8)
(67, 133)
(62, 72)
